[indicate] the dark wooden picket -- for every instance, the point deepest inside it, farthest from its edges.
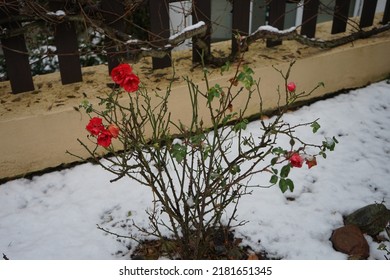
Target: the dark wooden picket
(309, 18)
(201, 12)
(65, 39)
(159, 27)
(15, 52)
(386, 14)
(240, 21)
(277, 9)
(113, 11)
(368, 13)
(340, 16)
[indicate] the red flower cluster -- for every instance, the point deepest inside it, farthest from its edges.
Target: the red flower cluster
(104, 135)
(123, 75)
(296, 160)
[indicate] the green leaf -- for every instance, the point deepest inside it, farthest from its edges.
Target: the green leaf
(283, 185)
(246, 77)
(240, 126)
(285, 171)
(330, 143)
(248, 83)
(86, 105)
(278, 151)
(206, 152)
(248, 70)
(179, 152)
(290, 184)
(275, 171)
(316, 126)
(227, 118)
(215, 91)
(292, 142)
(235, 169)
(274, 179)
(197, 139)
(225, 67)
(241, 77)
(274, 160)
(321, 84)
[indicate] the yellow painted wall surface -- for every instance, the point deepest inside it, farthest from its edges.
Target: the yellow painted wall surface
(40, 140)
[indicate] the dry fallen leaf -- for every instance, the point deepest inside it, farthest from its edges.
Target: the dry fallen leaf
(253, 257)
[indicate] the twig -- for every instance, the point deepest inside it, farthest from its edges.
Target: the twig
(116, 234)
(266, 32)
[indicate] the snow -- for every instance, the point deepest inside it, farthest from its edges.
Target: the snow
(272, 29)
(58, 13)
(54, 216)
(133, 41)
(187, 29)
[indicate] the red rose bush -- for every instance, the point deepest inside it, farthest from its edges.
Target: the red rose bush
(198, 174)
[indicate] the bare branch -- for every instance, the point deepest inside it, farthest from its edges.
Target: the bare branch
(269, 32)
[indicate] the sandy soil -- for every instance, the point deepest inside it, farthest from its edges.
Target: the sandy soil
(50, 95)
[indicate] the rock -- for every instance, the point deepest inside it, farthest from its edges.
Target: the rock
(371, 219)
(350, 240)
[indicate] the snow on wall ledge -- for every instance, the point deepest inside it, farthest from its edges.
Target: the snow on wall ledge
(40, 141)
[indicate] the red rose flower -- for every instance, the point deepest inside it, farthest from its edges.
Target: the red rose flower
(120, 72)
(130, 83)
(114, 130)
(95, 126)
(291, 87)
(296, 160)
(104, 138)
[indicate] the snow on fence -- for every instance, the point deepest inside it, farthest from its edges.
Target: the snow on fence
(17, 59)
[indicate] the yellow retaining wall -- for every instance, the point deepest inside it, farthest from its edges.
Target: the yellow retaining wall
(39, 141)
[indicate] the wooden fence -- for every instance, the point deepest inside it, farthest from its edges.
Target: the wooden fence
(17, 58)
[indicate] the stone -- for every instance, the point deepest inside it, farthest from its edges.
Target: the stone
(371, 219)
(350, 240)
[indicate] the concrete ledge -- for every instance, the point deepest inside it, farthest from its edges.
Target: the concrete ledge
(40, 140)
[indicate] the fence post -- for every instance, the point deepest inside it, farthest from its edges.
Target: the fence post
(201, 11)
(160, 31)
(113, 11)
(368, 13)
(15, 52)
(386, 14)
(309, 18)
(340, 16)
(277, 10)
(240, 25)
(65, 39)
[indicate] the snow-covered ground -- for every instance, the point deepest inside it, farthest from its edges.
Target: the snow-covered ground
(54, 216)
